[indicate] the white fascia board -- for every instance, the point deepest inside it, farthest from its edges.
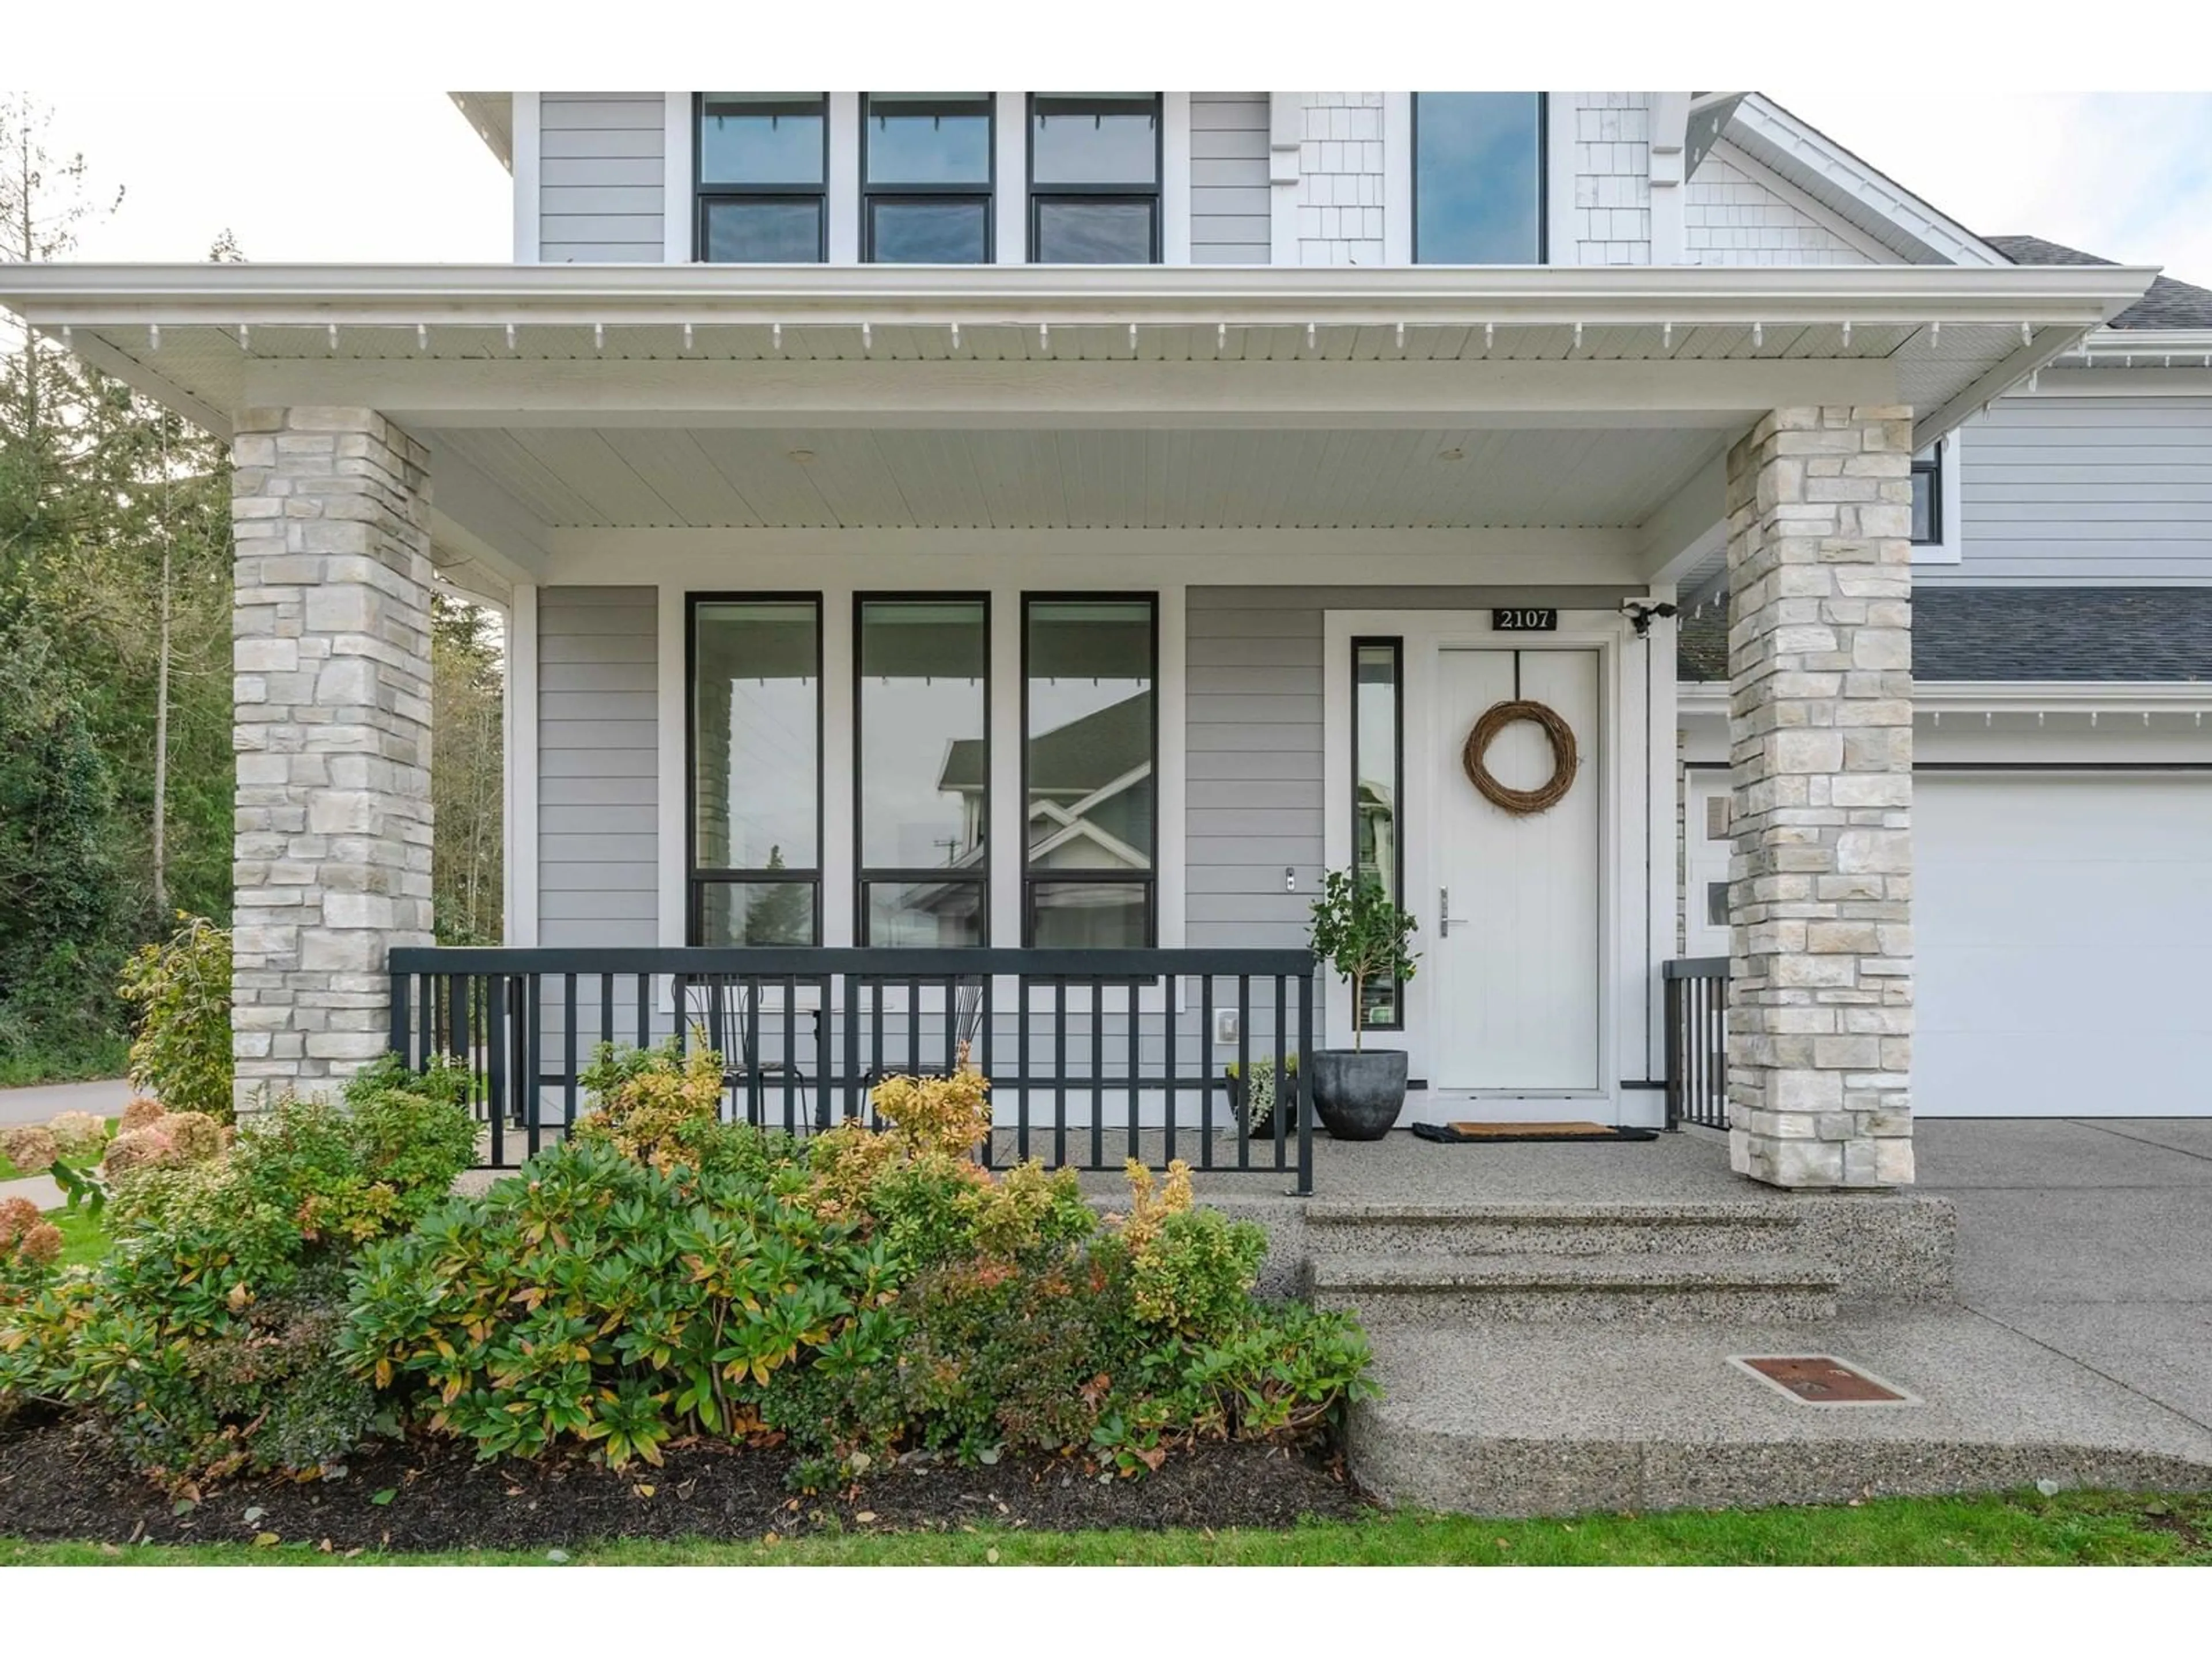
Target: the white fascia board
(2013, 696)
(2078, 297)
(1796, 146)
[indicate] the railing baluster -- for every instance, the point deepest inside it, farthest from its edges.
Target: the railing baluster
(1244, 1069)
(495, 1058)
(1168, 1015)
(1282, 1068)
(982, 1060)
(1097, 1074)
(567, 1055)
(1305, 1083)
(1059, 1071)
(1022, 1066)
(1205, 1074)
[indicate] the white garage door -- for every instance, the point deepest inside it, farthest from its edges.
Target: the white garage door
(2062, 925)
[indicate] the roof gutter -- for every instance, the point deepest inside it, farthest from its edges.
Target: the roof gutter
(2042, 297)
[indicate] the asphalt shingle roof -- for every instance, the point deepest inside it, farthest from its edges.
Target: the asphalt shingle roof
(2135, 633)
(2168, 304)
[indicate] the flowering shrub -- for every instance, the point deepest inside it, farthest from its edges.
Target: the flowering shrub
(78, 1136)
(26, 1237)
(143, 1110)
(182, 990)
(205, 1342)
(31, 1148)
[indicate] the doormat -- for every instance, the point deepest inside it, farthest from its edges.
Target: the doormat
(1494, 1133)
(1822, 1380)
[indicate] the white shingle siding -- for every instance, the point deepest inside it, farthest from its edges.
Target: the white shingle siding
(1611, 223)
(600, 176)
(1229, 208)
(1340, 179)
(1730, 218)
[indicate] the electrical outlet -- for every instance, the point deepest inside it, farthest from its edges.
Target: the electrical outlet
(1224, 1025)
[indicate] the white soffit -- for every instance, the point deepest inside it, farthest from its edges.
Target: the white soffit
(492, 115)
(713, 477)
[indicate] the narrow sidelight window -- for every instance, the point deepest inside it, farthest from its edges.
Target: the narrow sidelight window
(756, 764)
(1090, 736)
(1928, 496)
(1479, 177)
(1095, 178)
(1378, 765)
(927, 163)
(921, 668)
(763, 167)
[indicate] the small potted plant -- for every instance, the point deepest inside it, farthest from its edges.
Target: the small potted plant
(1254, 1102)
(1361, 934)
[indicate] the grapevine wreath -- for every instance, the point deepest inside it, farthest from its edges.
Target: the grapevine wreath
(1522, 802)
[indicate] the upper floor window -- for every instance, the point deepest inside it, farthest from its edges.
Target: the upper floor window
(925, 173)
(763, 171)
(1479, 177)
(1928, 496)
(1095, 178)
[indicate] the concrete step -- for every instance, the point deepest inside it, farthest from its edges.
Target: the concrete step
(1432, 1290)
(1527, 1419)
(1383, 1227)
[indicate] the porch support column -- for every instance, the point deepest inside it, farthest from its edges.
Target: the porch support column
(1820, 1000)
(331, 654)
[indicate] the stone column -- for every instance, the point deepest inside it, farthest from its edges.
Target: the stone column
(1820, 737)
(331, 654)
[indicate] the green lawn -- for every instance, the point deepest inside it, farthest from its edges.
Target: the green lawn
(2022, 1529)
(97, 1058)
(84, 1236)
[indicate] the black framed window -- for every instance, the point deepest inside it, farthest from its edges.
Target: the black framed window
(1379, 772)
(1479, 167)
(1928, 496)
(755, 671)
(925, 173)
(922, 705)
(1090, 749)
(1095, 178)
(762, 164)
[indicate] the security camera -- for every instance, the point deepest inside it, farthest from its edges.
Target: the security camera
(1640, 614)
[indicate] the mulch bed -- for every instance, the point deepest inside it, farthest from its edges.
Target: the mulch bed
(58, 1482)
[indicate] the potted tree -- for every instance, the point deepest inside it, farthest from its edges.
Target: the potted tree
(1361, 934)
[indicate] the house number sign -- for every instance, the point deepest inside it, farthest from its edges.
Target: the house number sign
(1525, 621)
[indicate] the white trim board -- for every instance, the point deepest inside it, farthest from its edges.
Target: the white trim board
(520, 742)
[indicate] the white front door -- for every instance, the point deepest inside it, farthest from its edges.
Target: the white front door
(1514, 1004)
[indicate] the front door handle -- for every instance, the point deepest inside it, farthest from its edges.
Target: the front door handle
(1444, 917)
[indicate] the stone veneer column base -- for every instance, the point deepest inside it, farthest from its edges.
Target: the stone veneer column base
(1821, 738)
(332, 656)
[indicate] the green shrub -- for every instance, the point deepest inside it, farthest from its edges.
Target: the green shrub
(181, 989)
(595, 1297)
(656, 1105)
(207, 1341)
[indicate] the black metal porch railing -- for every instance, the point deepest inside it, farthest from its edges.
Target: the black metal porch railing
(1093, 1056)
(1697, 1041)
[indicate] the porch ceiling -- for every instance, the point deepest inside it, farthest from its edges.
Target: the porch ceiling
(568, 398)
(703, 477)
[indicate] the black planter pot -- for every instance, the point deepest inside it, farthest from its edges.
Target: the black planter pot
(1359, 1093)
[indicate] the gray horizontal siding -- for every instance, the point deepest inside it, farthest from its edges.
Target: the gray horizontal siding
(1253, 803)
(2059, 491)
(599, 182)
(598, 809)
(1230, 221)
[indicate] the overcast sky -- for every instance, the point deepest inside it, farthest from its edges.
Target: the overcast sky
(402, 177)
